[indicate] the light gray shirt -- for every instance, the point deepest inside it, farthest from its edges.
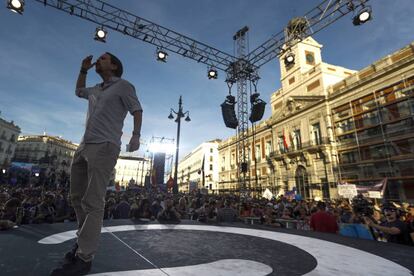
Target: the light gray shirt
(109, 103)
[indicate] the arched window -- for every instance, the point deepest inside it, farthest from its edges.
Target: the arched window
(302, 182)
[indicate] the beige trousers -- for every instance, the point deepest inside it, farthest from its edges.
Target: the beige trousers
(92, 166)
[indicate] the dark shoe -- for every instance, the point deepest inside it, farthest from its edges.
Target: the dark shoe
(76, 268)
(70, 256)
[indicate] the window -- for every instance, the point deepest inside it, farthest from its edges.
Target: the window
(297, 141)
(211, 167)
(211, 150)
(281, 144)
(316, 134)
(268, 148)
(310, 58)
(257, 152)
(211, 158)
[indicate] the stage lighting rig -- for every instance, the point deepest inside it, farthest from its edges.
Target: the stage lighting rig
(363, 16)
(100, 34)
(16, 6)
(162, 55)
(212, 74)
(289, 59)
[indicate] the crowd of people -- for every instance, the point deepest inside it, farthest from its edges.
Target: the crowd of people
(390, 221)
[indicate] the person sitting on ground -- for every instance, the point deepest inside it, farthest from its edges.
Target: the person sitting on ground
(227, 213)
(182, 207)
(144, 209)
(109, 208)
(169, 214)
(12, 213)
(156, 207)
(206, 213)
(45, 211)
(122, 208)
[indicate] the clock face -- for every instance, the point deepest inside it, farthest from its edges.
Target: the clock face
(310, 59)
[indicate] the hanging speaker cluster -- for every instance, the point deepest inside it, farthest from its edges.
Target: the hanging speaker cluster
(229, 114)
(258, 108)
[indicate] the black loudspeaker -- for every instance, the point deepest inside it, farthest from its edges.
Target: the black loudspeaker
(229, 115)
(258, 109)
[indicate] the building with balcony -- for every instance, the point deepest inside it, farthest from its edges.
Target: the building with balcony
(53, 155)
(8, 140)
(330, 124)
(373, 119)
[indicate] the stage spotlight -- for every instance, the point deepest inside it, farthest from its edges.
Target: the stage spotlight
(161, 55)
(212, 74)
(16, 6)
(100, 34)
(363, 16)
(289, 59)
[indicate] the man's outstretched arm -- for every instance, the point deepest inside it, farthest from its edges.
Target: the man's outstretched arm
(134, 143)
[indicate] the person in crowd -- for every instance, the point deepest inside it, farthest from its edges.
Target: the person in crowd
(156, 207)
(287, 213)
(62, 211)
(169, 213)
(12, 211)
(110, 205)
(182, 208)
(322, 221)
(192, 210)
(145, 209)
(227, 213)
(45, 211)
(122, 209)
(206, 213)
(395, 230)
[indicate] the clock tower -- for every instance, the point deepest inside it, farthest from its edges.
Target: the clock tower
(298, 60)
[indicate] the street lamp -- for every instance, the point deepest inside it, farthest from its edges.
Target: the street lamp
(180, 114)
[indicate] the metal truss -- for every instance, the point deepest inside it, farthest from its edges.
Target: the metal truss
(318, 18)
(240, 69)
(137, 27)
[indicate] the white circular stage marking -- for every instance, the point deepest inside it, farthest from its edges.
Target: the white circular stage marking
(220, 268)
(332, 258)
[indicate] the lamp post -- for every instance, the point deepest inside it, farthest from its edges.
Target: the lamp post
(180, 114)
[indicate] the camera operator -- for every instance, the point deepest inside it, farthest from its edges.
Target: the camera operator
(393, 228)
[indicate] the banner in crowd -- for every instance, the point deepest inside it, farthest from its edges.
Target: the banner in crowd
(373, 191)
(379, 187)
(347, 190)
(291, 194)
(267, 194)
(22, 165)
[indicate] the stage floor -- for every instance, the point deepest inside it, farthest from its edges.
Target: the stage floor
(192, 248)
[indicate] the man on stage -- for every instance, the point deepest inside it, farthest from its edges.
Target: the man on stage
(96, 156)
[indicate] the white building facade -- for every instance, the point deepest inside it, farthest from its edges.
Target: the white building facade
(190, 168)
(8, 140)
(131, 170)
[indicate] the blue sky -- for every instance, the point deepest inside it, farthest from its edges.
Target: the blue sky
(41, 52)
